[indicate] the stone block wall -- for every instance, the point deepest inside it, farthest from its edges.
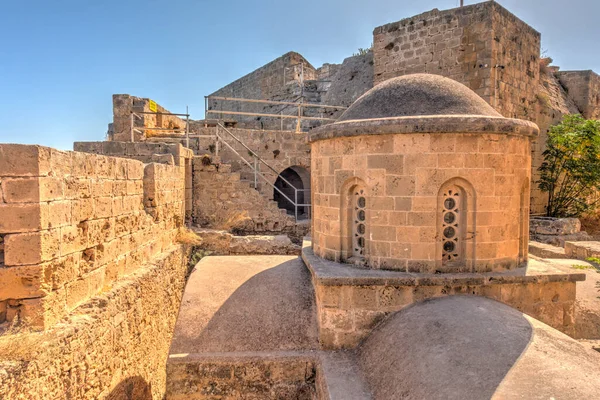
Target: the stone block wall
(352, 302)
(279, 149)
(73, 223)
(584, 88)
(482, 46)
(148, 152)
(516, 51)
(403, 176)
(277, 80)
(348, 313)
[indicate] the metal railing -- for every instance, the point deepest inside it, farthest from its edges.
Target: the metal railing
(299, 116)
(257, 161)
(136, 114)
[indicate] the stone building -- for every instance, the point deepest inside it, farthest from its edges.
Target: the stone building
(422, 175)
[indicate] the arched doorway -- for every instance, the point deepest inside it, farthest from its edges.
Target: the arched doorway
(293, 186)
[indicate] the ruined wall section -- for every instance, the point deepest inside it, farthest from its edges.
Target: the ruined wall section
(74, 223)
(125, 104)
(278, 80)
(350, 80)
(584, 88)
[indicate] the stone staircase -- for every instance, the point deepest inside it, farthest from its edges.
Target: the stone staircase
(223, 201)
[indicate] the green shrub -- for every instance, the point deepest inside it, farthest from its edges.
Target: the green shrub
(570, 173)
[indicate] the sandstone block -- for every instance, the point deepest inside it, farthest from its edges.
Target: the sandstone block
(31, 248)
(24, 160)
(21, 190)
(19, 217)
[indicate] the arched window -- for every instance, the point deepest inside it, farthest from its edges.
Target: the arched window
(359, 228)
(456, 226)
(354, 221)
(453, 226)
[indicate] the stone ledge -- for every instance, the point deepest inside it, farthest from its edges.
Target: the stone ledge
(329, 273)
(544, 250)
(425, 124)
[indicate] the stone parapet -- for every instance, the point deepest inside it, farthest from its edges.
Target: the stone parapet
(73, 223)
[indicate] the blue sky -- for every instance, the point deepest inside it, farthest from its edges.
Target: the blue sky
(61, 60)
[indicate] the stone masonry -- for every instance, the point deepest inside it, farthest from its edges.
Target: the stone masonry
(482, 46)
(73, 223)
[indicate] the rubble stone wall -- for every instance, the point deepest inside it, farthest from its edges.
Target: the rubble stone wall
(74, 223)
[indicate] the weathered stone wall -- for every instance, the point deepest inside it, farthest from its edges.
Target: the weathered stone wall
(482, 46)
(278, 80)
(148, 152)
(275, 377)
(516, 51)
(74, 223)
(124, 104)
(584, 88)
(402, 176)
(455, 43)
(113, 346)
(350, 80)
(279, 149)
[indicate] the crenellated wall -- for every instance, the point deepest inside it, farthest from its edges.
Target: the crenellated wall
(74, 223)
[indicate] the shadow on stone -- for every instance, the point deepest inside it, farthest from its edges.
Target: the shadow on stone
(243, 304)
(132, 388)
(456, 347)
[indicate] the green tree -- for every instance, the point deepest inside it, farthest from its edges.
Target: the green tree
(570, 173)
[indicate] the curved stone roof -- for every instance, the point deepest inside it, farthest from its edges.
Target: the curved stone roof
(421, 103)
(468, 347)
(418, 94)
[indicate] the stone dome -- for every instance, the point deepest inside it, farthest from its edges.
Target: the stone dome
(421, 103)
(418, 94)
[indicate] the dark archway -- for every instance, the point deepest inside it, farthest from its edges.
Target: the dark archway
(293, 183)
